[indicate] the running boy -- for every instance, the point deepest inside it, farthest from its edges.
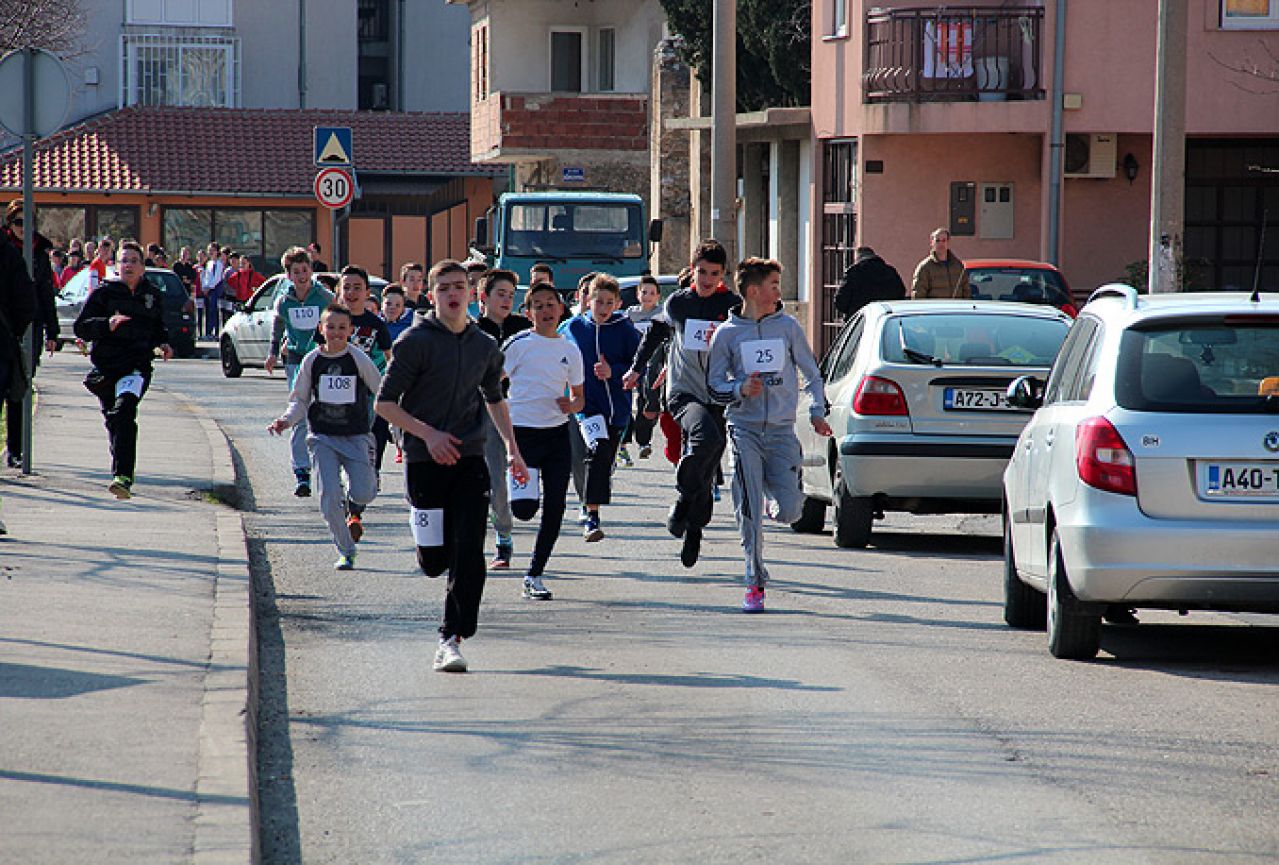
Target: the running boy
(649, 294)
(689, 319)
(124, 319)
(297, 314)
(497, 295)
(413, 278)
(333, 390)
(608, 341)
(443, 374)
(545, 371)
(753, 363)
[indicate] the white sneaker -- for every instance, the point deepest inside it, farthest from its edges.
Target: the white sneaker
(535, 590)
(447, 657)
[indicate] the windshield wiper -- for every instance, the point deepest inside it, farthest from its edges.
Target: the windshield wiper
(914, 354)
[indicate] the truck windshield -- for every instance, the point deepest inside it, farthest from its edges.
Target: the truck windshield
(567, 230)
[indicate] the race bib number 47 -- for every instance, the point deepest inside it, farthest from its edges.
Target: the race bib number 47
(698, 333)
(763, 355)
(337, 389)
(428, 526)
(304, 317)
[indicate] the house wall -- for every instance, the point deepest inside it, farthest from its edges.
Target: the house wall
(436, 76)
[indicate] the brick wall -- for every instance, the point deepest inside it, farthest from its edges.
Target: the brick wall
(575, 122)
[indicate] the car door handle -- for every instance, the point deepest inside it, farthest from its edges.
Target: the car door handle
(1028, 442)
(1048, 439)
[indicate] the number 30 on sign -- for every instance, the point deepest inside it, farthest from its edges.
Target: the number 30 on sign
(334, 187)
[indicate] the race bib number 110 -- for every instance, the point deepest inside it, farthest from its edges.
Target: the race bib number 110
(304, 317)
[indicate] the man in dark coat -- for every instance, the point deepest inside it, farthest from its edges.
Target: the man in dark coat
(867, 279)
(17, 307)
(45, 319)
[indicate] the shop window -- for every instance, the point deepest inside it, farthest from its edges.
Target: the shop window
(1250, 14)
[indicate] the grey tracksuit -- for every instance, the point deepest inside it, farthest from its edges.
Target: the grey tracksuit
(766, 452)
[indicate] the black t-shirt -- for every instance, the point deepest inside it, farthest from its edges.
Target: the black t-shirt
(370, 335)
(511, 325)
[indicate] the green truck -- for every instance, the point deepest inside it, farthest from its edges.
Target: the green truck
(573, 232)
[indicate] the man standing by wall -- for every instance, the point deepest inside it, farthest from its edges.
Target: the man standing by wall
(941, 273)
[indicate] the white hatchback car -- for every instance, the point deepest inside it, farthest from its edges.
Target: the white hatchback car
(918, 409)
(1149, 476)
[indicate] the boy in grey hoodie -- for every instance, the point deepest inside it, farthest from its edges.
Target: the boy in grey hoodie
(444, 374)
(753, 361)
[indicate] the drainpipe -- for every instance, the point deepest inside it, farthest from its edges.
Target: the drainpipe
(301, 53)
(399, 58)
(1057, 143)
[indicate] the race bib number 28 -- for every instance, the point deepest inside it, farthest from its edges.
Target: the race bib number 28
(428, 526)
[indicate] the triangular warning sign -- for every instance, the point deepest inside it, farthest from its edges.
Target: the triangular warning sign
(333, 151)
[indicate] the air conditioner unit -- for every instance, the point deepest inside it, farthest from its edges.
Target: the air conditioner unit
(1091, 155)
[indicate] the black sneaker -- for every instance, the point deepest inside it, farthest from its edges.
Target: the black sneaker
(676, 521)
(303, 489)
(592, 532)
(692, 547)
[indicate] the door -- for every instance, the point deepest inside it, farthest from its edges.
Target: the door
(254, 333)
(366, 244)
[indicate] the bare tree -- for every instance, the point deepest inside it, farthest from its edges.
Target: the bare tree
(1262, 67)
(54, 25)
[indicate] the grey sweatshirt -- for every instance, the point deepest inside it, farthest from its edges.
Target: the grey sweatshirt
(776, 347)
(444, 378)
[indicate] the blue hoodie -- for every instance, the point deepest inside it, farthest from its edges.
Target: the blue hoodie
(617, 339)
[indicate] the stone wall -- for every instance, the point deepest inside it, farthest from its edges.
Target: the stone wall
(669, 180)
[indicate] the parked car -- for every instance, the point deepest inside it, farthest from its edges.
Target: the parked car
(918, 408)
(1149, 475)
(247, 333)
(179, 307)
(1020, 282)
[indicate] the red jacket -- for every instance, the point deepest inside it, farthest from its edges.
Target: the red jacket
(243, 283)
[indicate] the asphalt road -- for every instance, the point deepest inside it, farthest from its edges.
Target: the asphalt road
(879, 712)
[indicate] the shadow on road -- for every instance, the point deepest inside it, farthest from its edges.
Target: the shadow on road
(1215, 652)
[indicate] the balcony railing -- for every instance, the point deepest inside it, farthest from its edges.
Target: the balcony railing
(953, 54)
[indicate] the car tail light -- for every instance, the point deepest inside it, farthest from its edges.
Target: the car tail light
(1102, 458)
(879, 396)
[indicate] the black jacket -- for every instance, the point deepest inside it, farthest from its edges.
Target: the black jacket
(869, 279)
(444, 378)
(17, 307)
(131, 346)
(46, 311)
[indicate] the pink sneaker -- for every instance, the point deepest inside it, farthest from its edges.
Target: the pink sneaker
(754, 601)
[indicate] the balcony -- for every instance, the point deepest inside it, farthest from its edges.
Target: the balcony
(510, 127)
(953, 54)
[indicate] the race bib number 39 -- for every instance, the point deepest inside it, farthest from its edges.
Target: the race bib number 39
(698, 333)
(428, 526)
(594, 429)
(522, 491)
(337, 389)
(763, 355)
(304, 317)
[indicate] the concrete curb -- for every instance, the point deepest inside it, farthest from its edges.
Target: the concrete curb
(226, 822)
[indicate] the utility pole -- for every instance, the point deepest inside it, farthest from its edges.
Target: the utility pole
(724, 127)
(1168, 154)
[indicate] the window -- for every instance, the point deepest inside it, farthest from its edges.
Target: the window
(480, 74)
(1066, 369)
(843, 354)
(180, 13)
(1250, 14)
(161, 69)
(567, 60)
(838, 19)
(973, 339)
(260, 234)
(63, 222)
(607, 59)
(1201, 364)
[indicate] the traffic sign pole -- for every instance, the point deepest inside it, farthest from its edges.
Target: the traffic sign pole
(28, 240)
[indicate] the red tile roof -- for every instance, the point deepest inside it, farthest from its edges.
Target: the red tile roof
(159, 149)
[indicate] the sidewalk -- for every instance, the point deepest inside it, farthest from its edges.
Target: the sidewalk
(126, 647)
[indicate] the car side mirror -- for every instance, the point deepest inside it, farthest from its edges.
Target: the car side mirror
(1026, 392)
(481, 233)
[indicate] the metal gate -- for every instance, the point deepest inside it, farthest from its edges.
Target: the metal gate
(839, 229)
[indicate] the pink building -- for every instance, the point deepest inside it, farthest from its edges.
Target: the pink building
(941, 116)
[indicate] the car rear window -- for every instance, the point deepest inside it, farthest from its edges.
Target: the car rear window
(1225, 364)
(973, 339)
(169, 283)
(1020, 284)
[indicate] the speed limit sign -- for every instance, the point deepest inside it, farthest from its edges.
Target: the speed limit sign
(334, 188)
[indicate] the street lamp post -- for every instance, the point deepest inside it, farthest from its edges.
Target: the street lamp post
(724, 127)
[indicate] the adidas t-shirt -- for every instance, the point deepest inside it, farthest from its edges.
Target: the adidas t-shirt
(541, 369)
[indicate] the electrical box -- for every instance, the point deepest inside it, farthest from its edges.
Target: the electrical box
(963, 208)
(995, 217)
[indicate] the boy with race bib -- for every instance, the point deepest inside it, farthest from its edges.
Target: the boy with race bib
(444, 374)
(649, 294)
(753, 363)
(333, 389)
(297, 310)
(608, 341)
(545, 371)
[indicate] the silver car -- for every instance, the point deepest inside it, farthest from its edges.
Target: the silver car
(1149, 476)
(918, 408)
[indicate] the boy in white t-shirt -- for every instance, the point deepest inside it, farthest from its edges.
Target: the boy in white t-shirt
(545, 370)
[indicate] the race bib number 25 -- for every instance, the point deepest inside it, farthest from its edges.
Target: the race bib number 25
(763, 355)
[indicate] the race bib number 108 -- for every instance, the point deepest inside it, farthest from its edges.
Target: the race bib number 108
(337, 389)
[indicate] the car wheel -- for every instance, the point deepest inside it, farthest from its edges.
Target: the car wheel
(812, 519)
(1024, 606)
(231, 366)
(1072, 633)
(853, 515)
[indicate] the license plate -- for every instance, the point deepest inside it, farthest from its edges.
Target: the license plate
(1239, 480)
(964, 399)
